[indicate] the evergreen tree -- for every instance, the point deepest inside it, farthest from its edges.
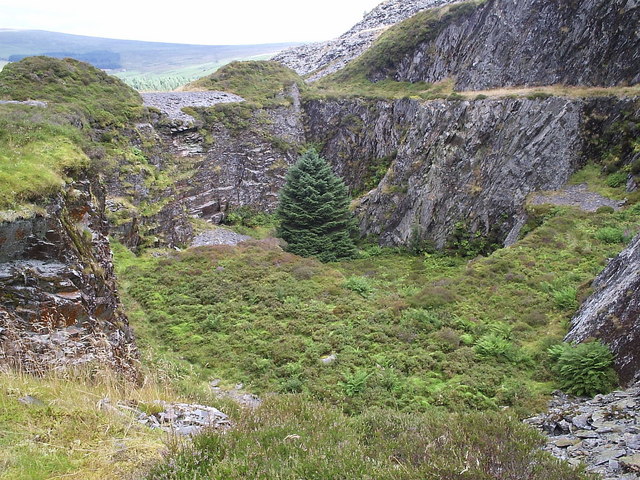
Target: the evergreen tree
(314, 211)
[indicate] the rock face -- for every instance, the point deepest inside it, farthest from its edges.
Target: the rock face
(612, 313)
(320, 59)
(528, 42)
(58, 299)
(236, 161)
(419, 167)
(444, 163)
(602, 432)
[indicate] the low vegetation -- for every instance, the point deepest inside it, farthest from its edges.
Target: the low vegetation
(291, 438)
(259, 82)
(398, 330)
(36, 155)
(72, 87)
(52, 427)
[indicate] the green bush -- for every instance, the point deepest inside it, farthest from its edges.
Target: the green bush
(583, 369)
(493, 345)
(610, 235)
(566, 298)
(360, 285)
(616, 179)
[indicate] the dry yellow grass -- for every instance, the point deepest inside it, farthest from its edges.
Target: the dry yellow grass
(68, 436)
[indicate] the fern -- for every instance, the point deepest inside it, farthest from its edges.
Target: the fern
(585, 369)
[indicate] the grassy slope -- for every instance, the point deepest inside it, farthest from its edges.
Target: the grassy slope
(408, 332)
(256, 81)
(68, 436)
(291, 438)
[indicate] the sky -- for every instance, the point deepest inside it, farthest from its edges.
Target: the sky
(212, 22)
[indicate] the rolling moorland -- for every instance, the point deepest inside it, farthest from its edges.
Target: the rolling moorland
(146, 66)
(488, 196)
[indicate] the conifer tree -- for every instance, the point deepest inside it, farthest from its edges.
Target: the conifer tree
(314, 211)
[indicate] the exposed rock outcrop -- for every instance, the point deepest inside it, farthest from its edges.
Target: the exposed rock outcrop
(527, 42)
(444, 162)
(237, 160)
(58, 299)
(612, 313)
(176, 418)
(320, 59)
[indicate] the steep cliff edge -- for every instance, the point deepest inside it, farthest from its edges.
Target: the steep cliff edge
(439, 165)
(58, 299)
(612, 313)
(501, 43)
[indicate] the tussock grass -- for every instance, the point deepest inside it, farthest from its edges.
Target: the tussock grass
(68, 436)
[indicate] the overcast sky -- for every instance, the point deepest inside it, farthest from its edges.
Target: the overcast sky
(211, 22)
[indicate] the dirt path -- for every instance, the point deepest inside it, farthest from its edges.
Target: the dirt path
(576, 196)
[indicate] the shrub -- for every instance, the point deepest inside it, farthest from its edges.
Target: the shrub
(616, 179)
(360, 285)
(583, 369)
(605, 209)
(565, 298)
(610, 235)
(493, 345)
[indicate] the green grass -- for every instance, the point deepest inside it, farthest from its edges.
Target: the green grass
(290, 438)
(36, 155)
(73, 87)
(68, 436)
(259, 82)
(408, 332)
(41, 148)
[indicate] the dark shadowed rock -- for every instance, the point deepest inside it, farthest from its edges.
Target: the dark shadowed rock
(58, 300)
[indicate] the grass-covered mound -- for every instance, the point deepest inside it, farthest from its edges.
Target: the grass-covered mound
(395, 330)
(290, 438)
(36, 154)
(41, 147)
(259, 82)
(71, 87)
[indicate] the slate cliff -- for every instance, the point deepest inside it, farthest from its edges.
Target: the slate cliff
(526, 42)
(612, 313)
(58, 299)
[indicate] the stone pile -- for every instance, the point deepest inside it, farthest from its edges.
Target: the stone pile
(172, 103)
(178, 418)
(603, 432)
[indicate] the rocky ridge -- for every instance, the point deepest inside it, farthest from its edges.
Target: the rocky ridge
(603, 432)
(317, 60)
(502, 43)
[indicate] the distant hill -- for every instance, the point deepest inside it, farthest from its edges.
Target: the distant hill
(144, 65)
